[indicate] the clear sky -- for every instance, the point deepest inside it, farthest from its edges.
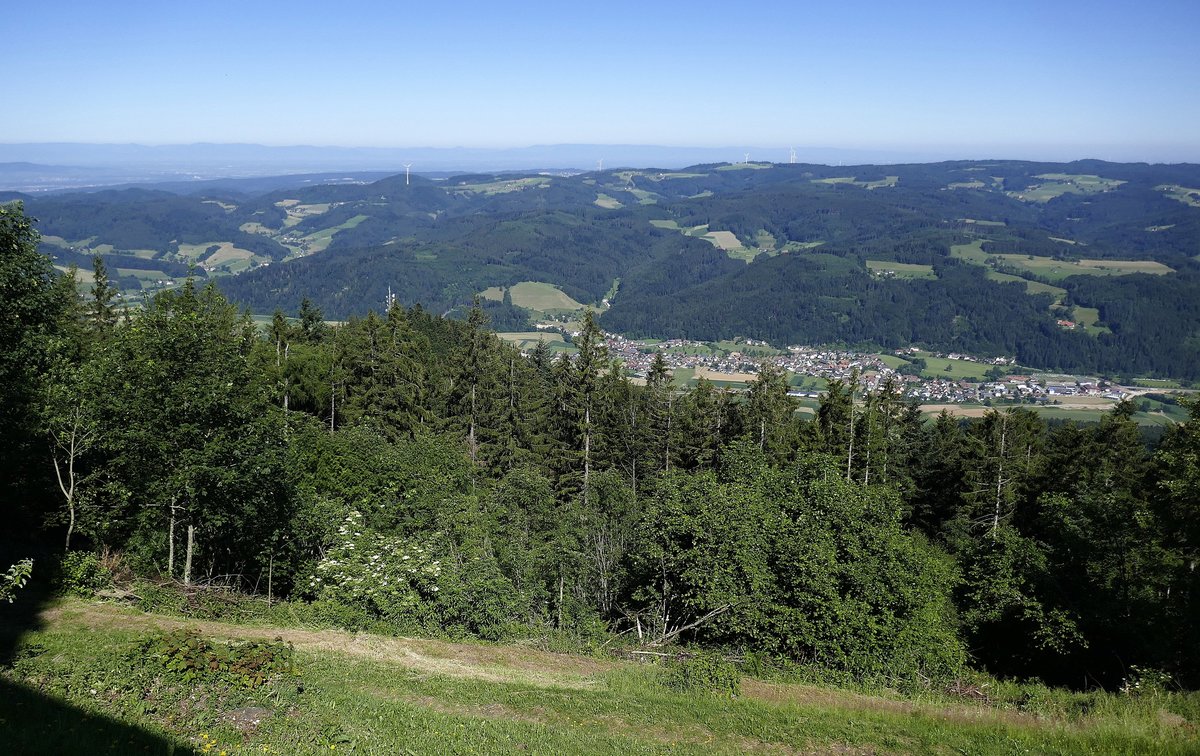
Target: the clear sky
(1054, 79)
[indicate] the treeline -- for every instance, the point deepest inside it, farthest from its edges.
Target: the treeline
(414, 470)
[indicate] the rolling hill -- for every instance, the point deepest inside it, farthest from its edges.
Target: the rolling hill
(1083, 266)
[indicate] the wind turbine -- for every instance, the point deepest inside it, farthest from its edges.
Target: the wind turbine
(406, 167)
(747, 160)
(792, 156)
(600, 164)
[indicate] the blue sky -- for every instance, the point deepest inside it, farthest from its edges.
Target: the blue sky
(1048, 79)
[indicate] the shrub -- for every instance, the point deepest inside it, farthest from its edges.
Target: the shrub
(83, 574)
(185, 654)
(703, 672)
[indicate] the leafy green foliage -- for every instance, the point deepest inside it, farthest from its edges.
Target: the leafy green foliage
(186, 655)
(15, 579)
(81, 573)
(703, 673)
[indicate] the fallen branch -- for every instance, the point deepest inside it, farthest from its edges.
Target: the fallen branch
(668, 637)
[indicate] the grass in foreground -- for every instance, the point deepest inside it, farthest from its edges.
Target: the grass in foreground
(72, 690)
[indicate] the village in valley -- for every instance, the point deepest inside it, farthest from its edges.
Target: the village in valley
(994, 380)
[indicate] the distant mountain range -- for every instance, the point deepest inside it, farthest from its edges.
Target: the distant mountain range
(67, 166)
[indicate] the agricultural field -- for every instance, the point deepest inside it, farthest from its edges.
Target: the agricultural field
(1089, 318)
(608, 202)
(1058, 184)
(502, 186)
(1031, 287)
(887, 181)
(528, 340)
(319, 241)
(1051, 268)
(978, 222)
(750, 166)
(726, 241)
(891, 269)
(1182, 194)
(297, 212)
(1056, 270)
(534, 295)
(748, 349)
(944, 367)
(972, 252)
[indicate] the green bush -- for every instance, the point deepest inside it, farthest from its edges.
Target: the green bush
(81, 573)
(185, 654)
(703, 672)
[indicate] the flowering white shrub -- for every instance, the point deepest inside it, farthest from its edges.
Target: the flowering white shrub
(391, 577)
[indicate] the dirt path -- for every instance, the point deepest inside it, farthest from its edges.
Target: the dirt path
(491, 663)
(516, 663)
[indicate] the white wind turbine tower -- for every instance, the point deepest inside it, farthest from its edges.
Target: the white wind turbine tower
(792, 155)
(406, 167)
(600, 164)
(747, 160)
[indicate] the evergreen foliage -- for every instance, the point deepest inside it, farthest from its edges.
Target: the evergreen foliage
(413, 470)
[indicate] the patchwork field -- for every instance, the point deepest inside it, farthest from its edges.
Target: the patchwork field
(297, 212)
(1058, 184)
(887, 181)
(502, 186)
(607, 202)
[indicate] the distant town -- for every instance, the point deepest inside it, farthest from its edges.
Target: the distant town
(1000, 384)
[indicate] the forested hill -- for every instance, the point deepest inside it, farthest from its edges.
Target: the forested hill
(413, 473)
(1087, 266)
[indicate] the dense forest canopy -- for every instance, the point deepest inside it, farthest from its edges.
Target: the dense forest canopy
(407, 468)
(982, 257)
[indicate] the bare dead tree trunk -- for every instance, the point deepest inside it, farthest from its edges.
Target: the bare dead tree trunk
(560, 597)
(870, 429)
(332, 404)
(587, 451)
(1000, 476)
(670, 413)
(187, 564)
(471, 431)
(171, 543)
(850, 453)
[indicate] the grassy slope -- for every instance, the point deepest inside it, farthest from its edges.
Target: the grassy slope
(374, 694)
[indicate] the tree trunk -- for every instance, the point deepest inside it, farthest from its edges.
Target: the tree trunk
(187, 563)
(587, 451)
(171, 543)
(999, 477)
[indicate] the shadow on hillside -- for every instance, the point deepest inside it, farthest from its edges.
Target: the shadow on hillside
(32, 722)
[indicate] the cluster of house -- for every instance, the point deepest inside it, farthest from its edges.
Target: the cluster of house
(871, 370)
